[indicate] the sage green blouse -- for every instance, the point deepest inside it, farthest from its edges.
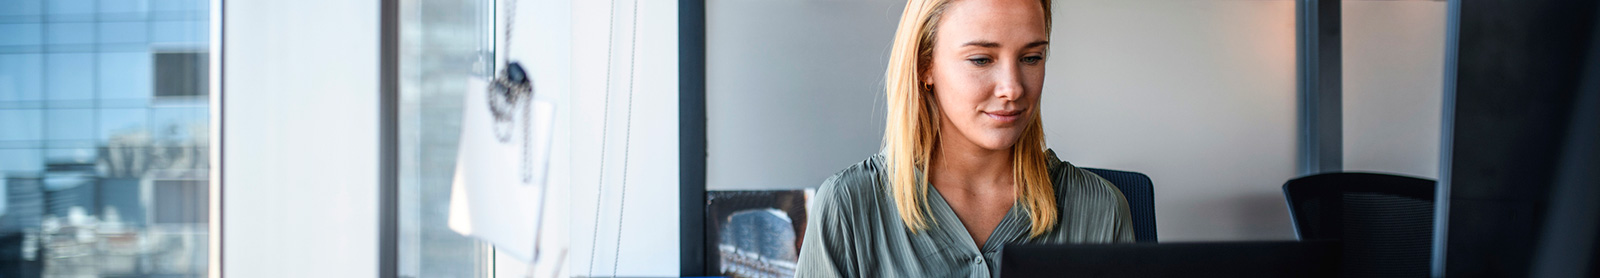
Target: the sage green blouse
(854, 230)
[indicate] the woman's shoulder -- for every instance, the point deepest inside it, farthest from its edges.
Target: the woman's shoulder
(860, 182)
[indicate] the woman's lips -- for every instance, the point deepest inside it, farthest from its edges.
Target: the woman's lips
(1004, 116)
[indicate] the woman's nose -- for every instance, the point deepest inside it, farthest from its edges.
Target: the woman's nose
(1009, 84)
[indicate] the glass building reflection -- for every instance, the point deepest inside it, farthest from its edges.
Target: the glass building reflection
(103, 138)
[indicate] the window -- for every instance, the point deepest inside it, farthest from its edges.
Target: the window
(180, 74)
(103, 158)
(442, 43)
(180, 202)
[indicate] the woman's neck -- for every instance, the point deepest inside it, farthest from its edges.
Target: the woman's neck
(963, 165)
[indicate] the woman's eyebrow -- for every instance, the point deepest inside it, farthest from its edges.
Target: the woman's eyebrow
(982, 43)
(991, 44)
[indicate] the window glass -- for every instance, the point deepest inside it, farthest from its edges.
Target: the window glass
(19, 78)
(89, 186)
(442, 44)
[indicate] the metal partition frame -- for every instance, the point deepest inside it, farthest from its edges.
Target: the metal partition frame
(692, 137)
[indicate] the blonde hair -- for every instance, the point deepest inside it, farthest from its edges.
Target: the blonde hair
(912, 129)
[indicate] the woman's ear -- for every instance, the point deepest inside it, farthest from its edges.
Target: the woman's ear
(925, 75)
(926, 79)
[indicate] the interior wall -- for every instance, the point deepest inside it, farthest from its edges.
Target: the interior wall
(1199, 95)
(1393, 86)
(648, 217)
(299, 139)
(794, 89)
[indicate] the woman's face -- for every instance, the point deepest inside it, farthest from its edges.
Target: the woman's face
(986, 70)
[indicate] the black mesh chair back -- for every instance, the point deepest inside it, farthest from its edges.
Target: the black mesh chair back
(1385, 222)
(1137, 188)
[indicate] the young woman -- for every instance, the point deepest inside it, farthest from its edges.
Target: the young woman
(964, 169)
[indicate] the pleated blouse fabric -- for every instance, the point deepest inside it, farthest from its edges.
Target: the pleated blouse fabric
(854, 229)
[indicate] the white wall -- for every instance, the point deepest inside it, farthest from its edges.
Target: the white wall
(794, 89)
(1199, 95)
(300, 139)
(649, 239)
(1393, 86)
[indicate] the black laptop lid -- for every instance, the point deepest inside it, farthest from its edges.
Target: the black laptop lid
(1211, 259)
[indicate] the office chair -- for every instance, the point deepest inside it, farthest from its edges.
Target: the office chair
(1141, 200)
(1385, 222)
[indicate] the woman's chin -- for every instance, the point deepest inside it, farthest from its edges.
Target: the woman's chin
(997, 143)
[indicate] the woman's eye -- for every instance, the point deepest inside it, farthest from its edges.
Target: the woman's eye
(981, 61)
(1032, 59)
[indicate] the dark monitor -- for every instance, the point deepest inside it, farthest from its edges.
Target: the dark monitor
(1209, 259)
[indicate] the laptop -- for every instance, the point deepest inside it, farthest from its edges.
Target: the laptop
(1202, 259)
